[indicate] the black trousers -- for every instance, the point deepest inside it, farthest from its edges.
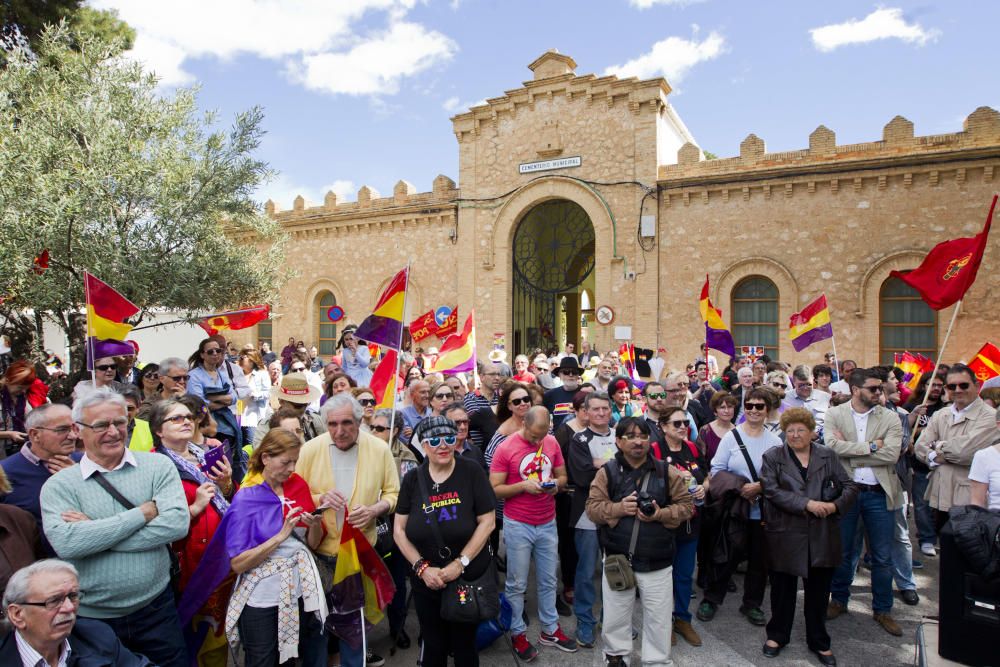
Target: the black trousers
(784, 588)
(755, 582)
(440, 637)
(567, 548)
(940, 518)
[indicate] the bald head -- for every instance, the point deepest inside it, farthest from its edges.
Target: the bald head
(536, 424)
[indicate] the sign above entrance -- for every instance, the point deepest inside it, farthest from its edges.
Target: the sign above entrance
(549, 165)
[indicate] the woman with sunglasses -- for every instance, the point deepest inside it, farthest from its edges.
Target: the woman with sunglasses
(149, 380)
(105, 372)
(441, 397)
(366, 397)
(514, 403)
(208, 491)
(730, 459)
(209, 381)
(454, 492)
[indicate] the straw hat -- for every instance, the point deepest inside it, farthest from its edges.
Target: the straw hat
(498, 356)
(295, 389)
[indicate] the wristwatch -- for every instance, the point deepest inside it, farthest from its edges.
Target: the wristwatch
(464, 560)
(873, 446)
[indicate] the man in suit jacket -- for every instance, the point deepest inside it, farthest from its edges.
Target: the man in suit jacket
(867, 437)
(40, 602)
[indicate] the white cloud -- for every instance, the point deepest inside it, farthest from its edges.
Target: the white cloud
(308, 37)
(646, 4)
(454, 105)
(283, 191)
(883, 23)
(672, 57)
(375, 65)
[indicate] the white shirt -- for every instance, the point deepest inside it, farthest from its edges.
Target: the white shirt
(863, 475)
(986, 469)
(88, 467)
(956, 415)
(345, 468)
(32, 658)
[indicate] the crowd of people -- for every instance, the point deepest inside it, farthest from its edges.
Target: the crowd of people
(191, 510)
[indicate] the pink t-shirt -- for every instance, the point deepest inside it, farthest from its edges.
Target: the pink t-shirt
(521, 460)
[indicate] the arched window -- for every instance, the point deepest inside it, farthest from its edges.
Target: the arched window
(905, 322)
(326, 336)
(265, 333)
(755, 314)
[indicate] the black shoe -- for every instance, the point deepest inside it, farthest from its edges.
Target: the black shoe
(706, 611)
(910, 597)
(562, 608)
(828, 660)
(403, 640)
(771, 651)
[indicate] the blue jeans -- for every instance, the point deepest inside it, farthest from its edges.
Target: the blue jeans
(923, 513)
(154, 631)
(585, 593)
(880, 527)
(685, 555)
(902, 552)
(525, 543)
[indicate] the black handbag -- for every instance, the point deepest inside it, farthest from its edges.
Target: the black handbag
(464, 600)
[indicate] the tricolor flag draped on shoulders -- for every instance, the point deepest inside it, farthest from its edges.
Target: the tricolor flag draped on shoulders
(458, 352)
(950, 268)
(717, 335)
(383, 383)
(107, 311)
(385, 325)
(362, 587)
(986, 365)
(810, 325)
(235, 319)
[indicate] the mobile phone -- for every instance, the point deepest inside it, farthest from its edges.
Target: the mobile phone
(213, 456)
(549, 484)
(319, 511)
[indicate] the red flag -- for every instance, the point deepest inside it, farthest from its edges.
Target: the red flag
(41, 262)
(986, 365)
(950, 268)
(236, 319)
(423, 327)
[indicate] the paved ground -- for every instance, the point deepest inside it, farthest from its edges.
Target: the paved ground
(730, 640)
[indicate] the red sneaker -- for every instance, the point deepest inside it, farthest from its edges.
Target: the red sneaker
(525, 651)
(559, 640)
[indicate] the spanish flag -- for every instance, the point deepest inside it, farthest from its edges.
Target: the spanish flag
(236, 319)
(362, 587)
(383, 383)
(106, 312)
(458, 352)
(385, 325)
(810, 325)
(717, 335)
(986, 365)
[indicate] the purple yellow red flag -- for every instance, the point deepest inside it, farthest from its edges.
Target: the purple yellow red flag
(362, 586)
(717, 334)
(383, 383)
(986, 365)
(458, 352)
(810, 325)
(106, 312)
(950, 268)
(385, 325)
(236, 319)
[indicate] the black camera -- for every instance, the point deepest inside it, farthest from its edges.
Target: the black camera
(646, 505)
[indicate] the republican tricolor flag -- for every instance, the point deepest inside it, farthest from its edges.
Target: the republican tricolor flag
(383, 383)
(236, 319)
(717, 334)
(810, 325)
(107, 329)
(385, 325)
(458, 352)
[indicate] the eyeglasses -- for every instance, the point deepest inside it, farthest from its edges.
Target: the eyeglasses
(178, 378)
(755, 406)
(958, 385)
(367, 402)
(152, 376)
(58, 430)
(519, 401)
(300, 369)
(636, 436)
(103, 426)
(441, 441)
(180, 419)
(105, 367)
(460, 422)
(779, 385)
(657, 395)
(380, 429)
(447, 396)
(573, 373)
(676, 390)
(214, 350)
(676, 423)
(56, 601)
(875, 389)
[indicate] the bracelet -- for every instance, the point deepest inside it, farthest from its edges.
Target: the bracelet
(420, 562)
(423, 568)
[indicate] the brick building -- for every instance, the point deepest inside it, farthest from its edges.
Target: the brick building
(578, 191)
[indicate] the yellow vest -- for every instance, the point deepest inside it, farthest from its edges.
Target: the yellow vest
(142, 437)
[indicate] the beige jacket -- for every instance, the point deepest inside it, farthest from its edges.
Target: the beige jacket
(957, 443)
(884, 425)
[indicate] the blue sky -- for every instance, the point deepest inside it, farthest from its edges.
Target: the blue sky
(360, 92)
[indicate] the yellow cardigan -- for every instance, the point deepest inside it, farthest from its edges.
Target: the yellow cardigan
(376, 479)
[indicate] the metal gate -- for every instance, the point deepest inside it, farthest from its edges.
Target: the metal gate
(553, 253)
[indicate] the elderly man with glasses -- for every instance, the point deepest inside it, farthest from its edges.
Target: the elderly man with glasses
(40, 604)
(113, 516)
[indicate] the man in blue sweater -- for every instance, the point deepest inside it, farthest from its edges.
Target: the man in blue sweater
(120, 546)
(51, 446)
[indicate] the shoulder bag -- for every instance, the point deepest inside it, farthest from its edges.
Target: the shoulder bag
(753, 470)
(463, 600)
(618, 567)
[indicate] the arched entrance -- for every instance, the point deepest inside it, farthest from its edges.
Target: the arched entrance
(553, 263)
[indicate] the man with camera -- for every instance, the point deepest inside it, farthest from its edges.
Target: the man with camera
(637, 501)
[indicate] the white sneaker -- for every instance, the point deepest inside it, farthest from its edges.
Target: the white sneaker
(928, 550)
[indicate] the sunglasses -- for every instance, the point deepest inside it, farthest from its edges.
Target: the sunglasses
(573, 373)
(104, 367)
(779, 385)
(875, 390)
(367, 402)
(445, 396)
(755, 406)
(180, 419)
(178, 378)
(676, 423)
(300, 369)
(958, 385)
(441, 441)
(152, 376)
(519, 401)
(657, 395)
(380, 429)
(213, 351)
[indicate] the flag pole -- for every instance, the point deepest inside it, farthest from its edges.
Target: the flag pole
(89, 338)
(364, 635)
(395, 376)
(707, 368)
(944, 344)
(836, 357)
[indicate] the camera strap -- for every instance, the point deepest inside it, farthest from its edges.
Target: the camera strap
(635, 521)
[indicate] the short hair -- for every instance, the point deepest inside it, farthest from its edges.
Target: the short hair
(19, 583)
(744, 372)
(398, 424)
(40, 416)
(821, 369)
(802, 373)
(96, 396)
(626, 425)
(645, 390)
(596, 396)
(676, 376)
(158, 416)
(798, 416)
(698, 364)
(277, 441)
(437, 385)
(720, 397)
(131, 391)
(962, 368)
(859, 376)
(342, 400)
(781, 376)
(457, 405)
(280, 415)
(761, 393)
(328, 385)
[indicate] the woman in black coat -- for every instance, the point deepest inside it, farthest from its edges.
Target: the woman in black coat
(806, 490)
